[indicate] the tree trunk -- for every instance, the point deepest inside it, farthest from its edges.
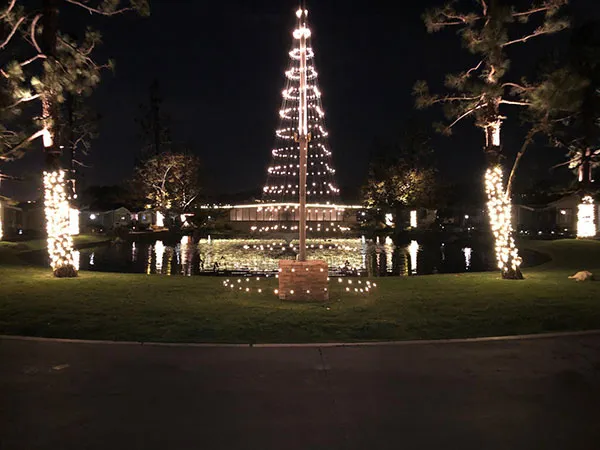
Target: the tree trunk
(70, 123)
(499, 205)
(60, 241)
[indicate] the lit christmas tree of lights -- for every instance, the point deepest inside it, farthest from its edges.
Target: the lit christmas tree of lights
(283, 174)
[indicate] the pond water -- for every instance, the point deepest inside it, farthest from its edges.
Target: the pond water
(357, 256)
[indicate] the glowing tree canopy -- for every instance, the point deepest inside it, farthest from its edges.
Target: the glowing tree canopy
(283, 173)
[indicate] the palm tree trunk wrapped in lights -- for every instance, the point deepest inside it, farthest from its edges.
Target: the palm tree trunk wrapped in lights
(57, 209)
(500, 213)
(586, 211)
(498, 196)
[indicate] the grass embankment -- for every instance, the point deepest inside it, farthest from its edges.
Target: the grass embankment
(200, 309)
(11, 252)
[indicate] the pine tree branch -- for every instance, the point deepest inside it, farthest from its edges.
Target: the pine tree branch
(32, 33)
(473, 69)
(91, 49)
(517, 86)
(23, 100)
(462, 116)
(84, 54)
(463, 19)
(79, 163)
(511, 178)
(544, 8)
(528, 13)
(454, 99)
(538, 32)
(99, 11)
(10, 177)
(8, 10)
(560, 164)
(12, 32)
(30, 60)
(444, 24)
(437, 19)
(20, 145)
(512, 102)
(484, 6)
(188, 203)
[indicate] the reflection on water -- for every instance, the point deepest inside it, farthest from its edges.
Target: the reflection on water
(159, 252)
(358, 256)
(76, 259)
(413, 250)
(388, 249)
(467, 251)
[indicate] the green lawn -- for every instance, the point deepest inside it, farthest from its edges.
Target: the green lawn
(200, 309)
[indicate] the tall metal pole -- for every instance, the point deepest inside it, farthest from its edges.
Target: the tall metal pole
(303, 141)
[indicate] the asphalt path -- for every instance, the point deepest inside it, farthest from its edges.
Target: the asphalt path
(509, 395)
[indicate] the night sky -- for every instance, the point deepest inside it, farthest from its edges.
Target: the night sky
(221, 70)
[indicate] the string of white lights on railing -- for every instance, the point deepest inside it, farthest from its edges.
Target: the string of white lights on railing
(267, 228)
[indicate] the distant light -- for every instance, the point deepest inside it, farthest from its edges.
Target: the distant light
(92, 216)
(73, 221)
(586, 226)
(413, 219)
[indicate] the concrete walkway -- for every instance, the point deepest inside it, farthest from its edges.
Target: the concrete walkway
(509, 395)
